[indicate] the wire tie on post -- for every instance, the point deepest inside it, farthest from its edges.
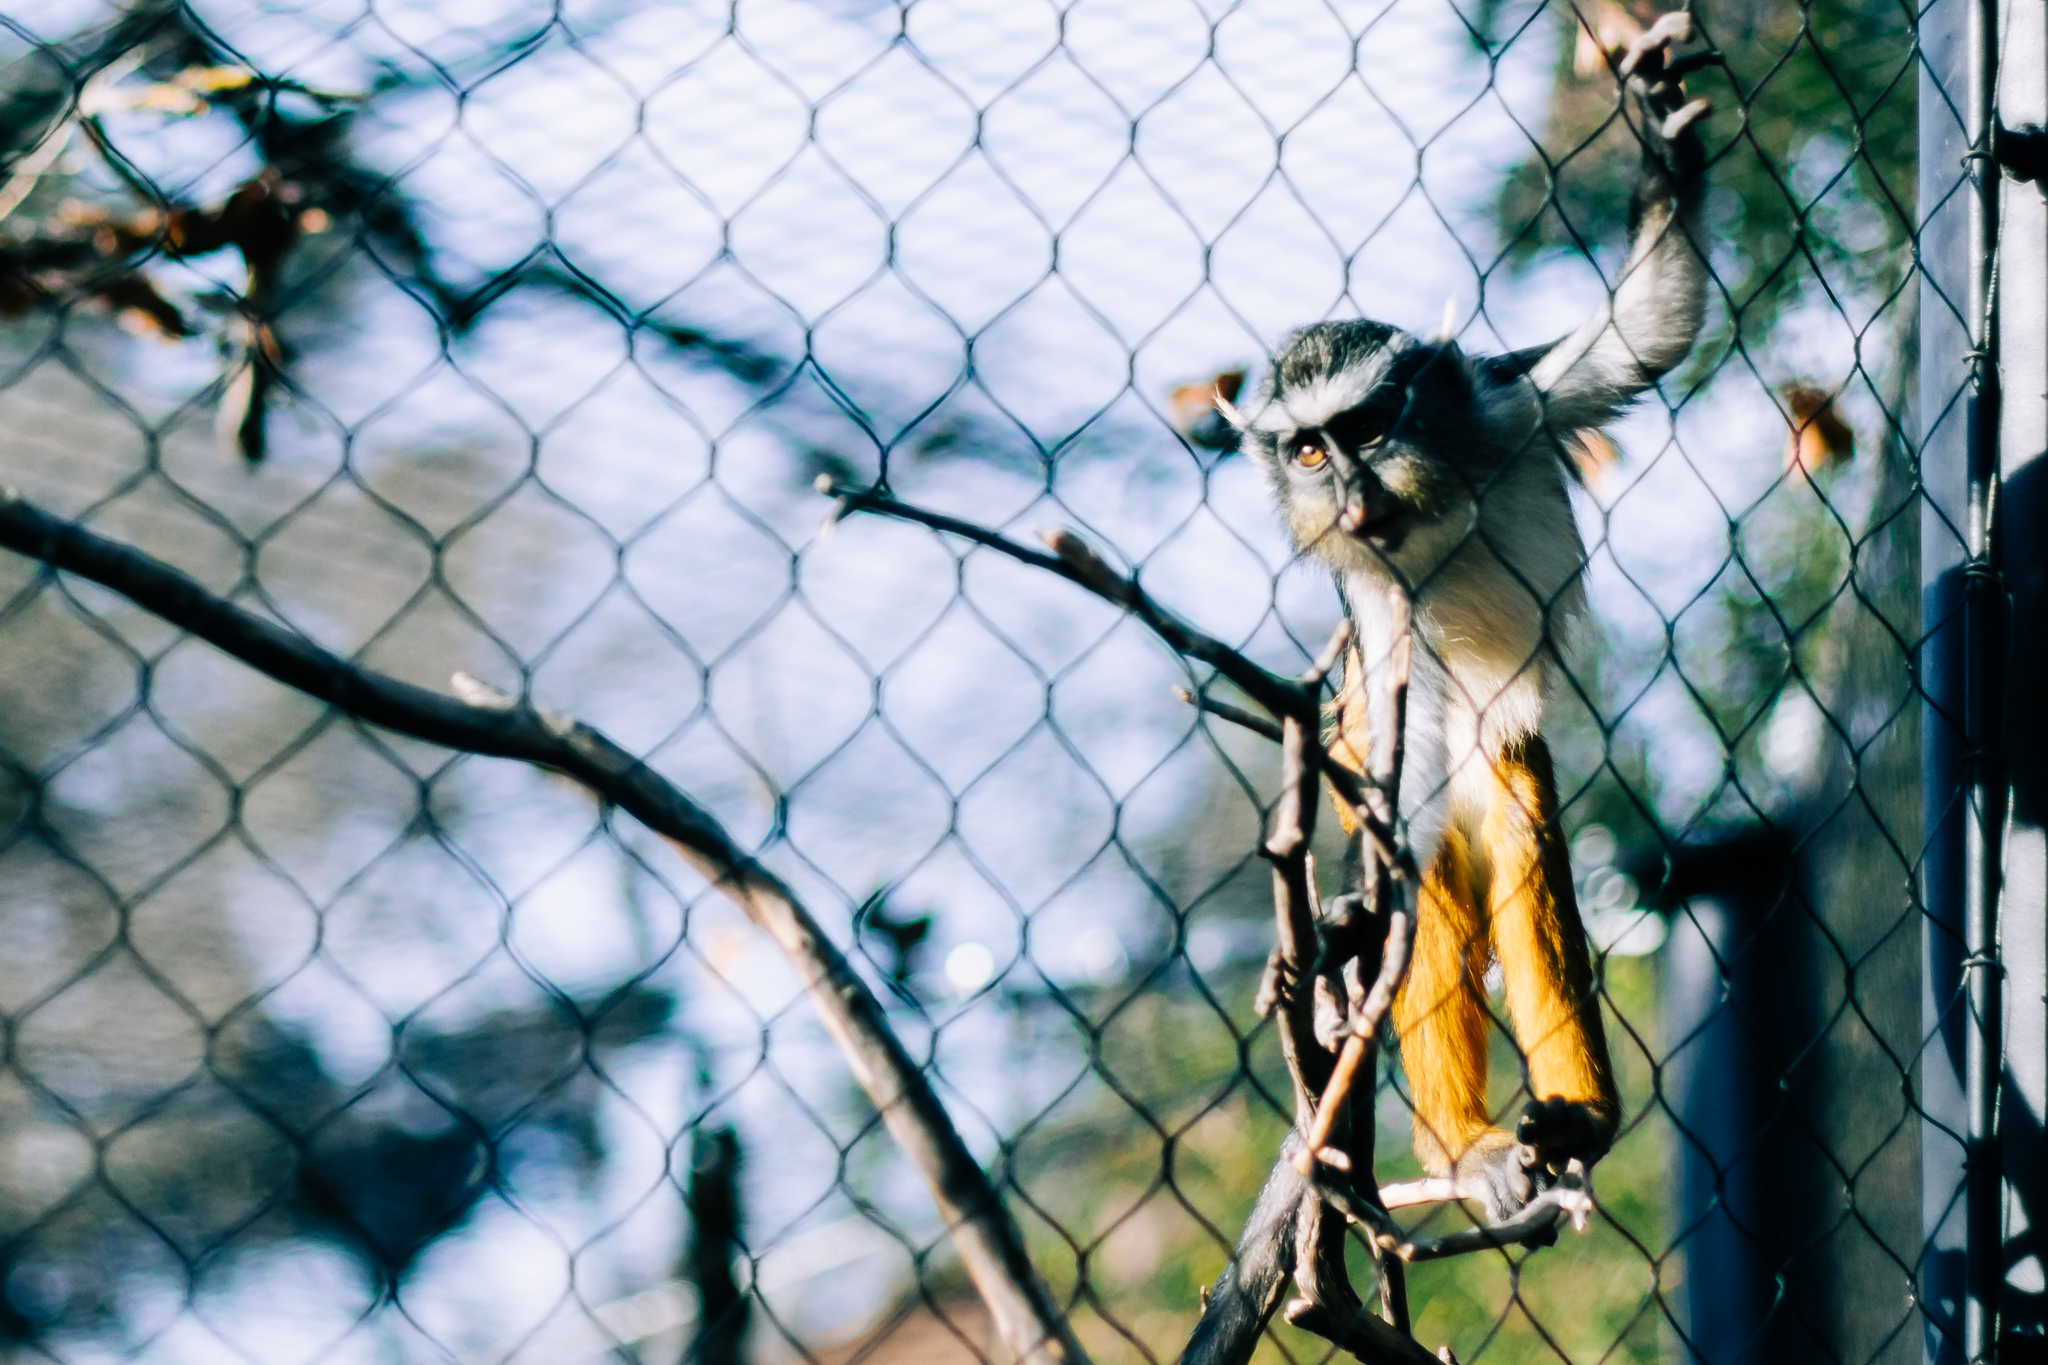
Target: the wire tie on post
(1979, 568)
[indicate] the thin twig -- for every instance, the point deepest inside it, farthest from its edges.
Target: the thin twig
(1350, 786)
(1258, 725)
(30, 169)
(1433, 1190)
(1342, 1077)
(1326, 662)
(1533, 1221)
(483, 720)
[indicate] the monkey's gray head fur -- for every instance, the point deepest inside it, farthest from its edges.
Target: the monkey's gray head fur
(1372, 438)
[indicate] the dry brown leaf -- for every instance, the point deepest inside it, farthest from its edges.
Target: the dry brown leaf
(1593, 453)
(1816, 437)
(1194, 404)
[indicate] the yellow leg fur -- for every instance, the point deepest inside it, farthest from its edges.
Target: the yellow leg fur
(1537, 936)
(1440, 1013)
(1526, 917)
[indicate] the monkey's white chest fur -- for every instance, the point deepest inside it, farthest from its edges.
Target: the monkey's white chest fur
(1496, 595)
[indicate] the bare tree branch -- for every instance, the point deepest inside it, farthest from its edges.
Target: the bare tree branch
(1365, 1336)
(1571, 1196)
(1387, 763)
(483, 720)
(1295, 1228)
(1073, 560)
(1407, 1194)
(1365, 1027)
(1237, 715)
(1294, 1233)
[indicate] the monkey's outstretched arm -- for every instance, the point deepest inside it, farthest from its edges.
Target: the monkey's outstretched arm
(1653, 314)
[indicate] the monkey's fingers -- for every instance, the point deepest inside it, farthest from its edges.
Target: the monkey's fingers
(1575, 1194)
(1355, 996)
(1649, 50)
(1678, 68)
(1342, 915)
(1685, 118)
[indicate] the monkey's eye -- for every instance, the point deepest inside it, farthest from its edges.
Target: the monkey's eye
(1364, 426)
(1309, 454)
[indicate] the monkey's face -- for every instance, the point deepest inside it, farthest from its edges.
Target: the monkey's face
(1357, 428)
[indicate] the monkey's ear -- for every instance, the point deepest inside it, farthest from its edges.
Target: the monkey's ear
(1506, 369)
(1443, 371)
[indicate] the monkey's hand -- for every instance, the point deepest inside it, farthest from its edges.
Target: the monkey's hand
(1655, 80)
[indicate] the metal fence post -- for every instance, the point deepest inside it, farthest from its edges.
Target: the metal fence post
(1984, 415)
(1947, 405)
(2022, 562)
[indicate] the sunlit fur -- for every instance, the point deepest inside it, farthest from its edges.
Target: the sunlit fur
(1491, 555)
(1459, 502)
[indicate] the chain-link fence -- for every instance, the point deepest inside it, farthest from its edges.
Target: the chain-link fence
(516, 341)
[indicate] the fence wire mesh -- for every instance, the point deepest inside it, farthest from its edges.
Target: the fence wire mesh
(511, 339)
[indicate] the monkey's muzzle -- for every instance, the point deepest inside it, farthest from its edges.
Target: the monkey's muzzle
(1378, 518)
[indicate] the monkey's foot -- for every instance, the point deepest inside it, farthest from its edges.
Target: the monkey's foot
(1505, 1172)
(1491, 1168)
(1556, 1132)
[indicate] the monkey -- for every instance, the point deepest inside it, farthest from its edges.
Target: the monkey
(1435, 488)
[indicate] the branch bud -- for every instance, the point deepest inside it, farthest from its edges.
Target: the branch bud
(478, 693)
(1091, 568)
